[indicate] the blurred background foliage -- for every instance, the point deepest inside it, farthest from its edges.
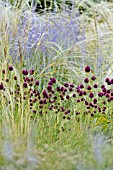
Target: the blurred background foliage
(52, 4)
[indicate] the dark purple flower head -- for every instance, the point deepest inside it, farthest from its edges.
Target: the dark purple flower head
(104, 108)
(104, 89)
(53, 80)
(58, 88)
(44, 101)
(44, 92)
(92, 114)
(35, 100)
(50, 83)
(55, 97)
(55, 107)
(63, 93)
(91, 95)
(111, 81)
(1, 86)
(27, 79)
(25, 85)
(70, 89)
(62, 88)
(102, 86)
(94, 100)
(100, 94)
(32, 79)
(37, 82)
(67, 112)
(88, 87)
(95, 85)
(7, 80)
(34, 111)
(72, 85)
(80, 93)
(41, 102)
(73, 95)
(107, 95)
(64, 117)
(40, 106)
(107, 80)
(34, 91)
(10, 68)
(3, 71)
(77, 90)
(30, 100)
(50, 95)
(62, 98)
(93, 78)
(87, 69)
(104, 102)
(49, 87)
(82, 99)
(18, 85)
(65, 90)
(84, 92)
(67, 97)
(25, 72)
(86, 80)
(88, 107)
(94, 111)
(99, 109)
(15, 77)
(66, 84)
(77, 100)
(107, 91)
(30, 84)
(86, 103)
(81, 86)
(62, 109)
(111, 98)
(112, 93)
(77, 113)
(31, 71)
(91, 104)
(36, 94)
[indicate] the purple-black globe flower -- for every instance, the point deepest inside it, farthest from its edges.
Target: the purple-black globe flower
(25, 85)
(37, 82)
(15, 77)
(3, 71)
(10, 68)
(91, 95)
(53, 80)
(25, 72)
(95, 101)
(88, 87)
(31, 71)
(81, 86)
(87, 69)
(66, 84)
(1, 86)
(93, 78)
(86, 80)
(95, 85)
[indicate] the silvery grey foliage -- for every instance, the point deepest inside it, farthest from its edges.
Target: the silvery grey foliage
(98, 146)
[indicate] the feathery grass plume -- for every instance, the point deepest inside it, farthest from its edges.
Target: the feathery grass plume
(49, 105)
